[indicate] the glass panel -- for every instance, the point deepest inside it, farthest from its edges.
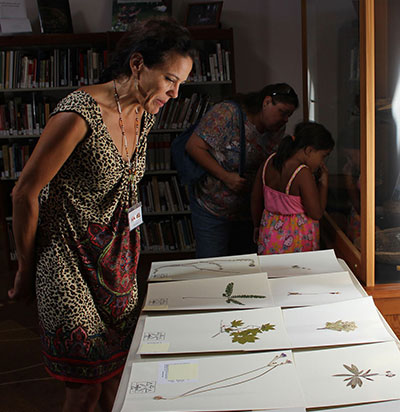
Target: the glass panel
(387, 141)
(334, 95)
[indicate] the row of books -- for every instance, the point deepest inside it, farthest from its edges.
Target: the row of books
(166, 195)
(182, 112)
(213, 66)
(51, 68)
(167, 235)
(13, 158)
(62, 67)
(19, 118)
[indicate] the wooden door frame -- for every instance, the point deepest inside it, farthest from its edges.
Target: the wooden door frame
(362, 263)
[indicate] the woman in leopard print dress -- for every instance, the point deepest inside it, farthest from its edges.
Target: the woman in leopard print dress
(71, 207)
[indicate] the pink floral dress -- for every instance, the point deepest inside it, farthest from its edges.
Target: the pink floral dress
(285, 227)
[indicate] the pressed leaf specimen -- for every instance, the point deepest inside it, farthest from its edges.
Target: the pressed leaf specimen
(355, 377)
(230, 298)
(228, 294)
(340, 326)
(241, 333)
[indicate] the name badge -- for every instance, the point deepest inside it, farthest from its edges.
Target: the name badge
(135, 216)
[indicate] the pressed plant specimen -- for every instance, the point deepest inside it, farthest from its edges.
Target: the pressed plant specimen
(340, 326)
(356, 376)
(234, 380)
(215, 265)
(228, 294)
(241, 333)
(230, 298)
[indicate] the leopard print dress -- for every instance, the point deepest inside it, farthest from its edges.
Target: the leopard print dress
(86, 256)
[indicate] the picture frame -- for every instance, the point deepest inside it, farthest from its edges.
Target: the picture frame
(204, 15)
(55, 16)
(126, 12)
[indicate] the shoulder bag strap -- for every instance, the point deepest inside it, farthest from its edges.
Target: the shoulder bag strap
(242, 161)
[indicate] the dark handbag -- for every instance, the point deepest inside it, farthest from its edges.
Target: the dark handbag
(189, 171)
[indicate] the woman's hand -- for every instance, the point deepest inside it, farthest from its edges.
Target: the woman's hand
(235, 182)
(24, 287)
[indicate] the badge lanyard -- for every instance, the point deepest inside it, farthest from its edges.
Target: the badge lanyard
(135, 212)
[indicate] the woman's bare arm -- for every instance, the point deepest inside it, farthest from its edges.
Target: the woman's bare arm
(199, 150)
(58, 140)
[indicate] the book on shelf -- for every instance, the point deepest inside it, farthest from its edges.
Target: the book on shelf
(182, 114)
(11, 240)
(151, 149)
(156, 194)
(177, 193)
(190, 110)
(164, 206)
(171, 198)
(220, 63)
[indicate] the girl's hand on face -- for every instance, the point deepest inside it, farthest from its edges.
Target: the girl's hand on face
(323, 180)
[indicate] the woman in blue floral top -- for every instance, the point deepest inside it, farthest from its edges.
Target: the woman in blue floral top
(220, 202)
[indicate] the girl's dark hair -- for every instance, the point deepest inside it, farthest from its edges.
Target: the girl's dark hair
(279, 92)
(305, 134)
(153, 38)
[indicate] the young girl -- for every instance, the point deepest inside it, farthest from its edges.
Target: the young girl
(287, 200)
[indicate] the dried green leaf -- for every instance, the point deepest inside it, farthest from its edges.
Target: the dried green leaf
(267, 326)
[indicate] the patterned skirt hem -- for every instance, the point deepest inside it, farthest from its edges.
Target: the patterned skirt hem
(81, 380)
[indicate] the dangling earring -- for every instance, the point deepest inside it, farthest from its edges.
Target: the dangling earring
(135, 83)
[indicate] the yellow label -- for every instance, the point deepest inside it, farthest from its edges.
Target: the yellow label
(154, 347)
(183, 371)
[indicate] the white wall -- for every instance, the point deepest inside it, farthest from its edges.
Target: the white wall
(267, 37)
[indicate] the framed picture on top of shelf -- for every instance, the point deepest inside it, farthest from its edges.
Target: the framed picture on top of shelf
(126, 12)
(205, 15)
(55, 16)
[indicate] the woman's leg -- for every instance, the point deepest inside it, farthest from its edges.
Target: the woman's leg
(81, 397)
(211, 232)
(109, 392)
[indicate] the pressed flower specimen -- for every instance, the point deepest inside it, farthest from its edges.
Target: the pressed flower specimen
(356, 376)
(235, 380)
(340, 326)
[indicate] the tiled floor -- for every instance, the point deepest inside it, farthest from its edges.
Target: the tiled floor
(24, 384)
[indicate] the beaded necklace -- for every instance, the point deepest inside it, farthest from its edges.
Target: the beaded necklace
(121, 124)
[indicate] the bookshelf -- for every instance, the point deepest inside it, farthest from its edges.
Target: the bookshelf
(36, 71)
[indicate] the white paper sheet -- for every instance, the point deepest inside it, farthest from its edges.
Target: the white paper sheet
(349, 375)
(313, 289)
(225, 292)
(238, 330)
(12, 9)
(350, 322)
(387, 406)
(8, 26)
(301, 263)
(216, 383)
(189, 269)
